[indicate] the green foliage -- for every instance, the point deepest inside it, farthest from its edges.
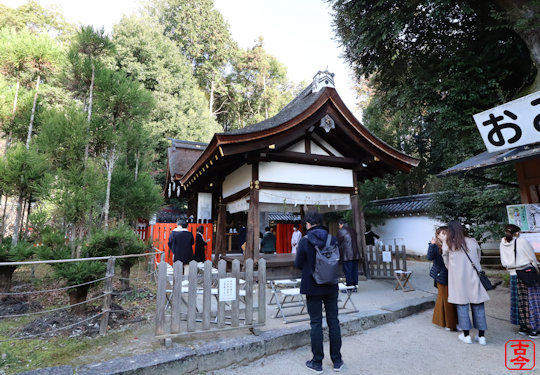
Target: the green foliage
(55, 247)
(202, 36)
(18, 253)
(63, 136)
(21, 171)
(36, 18)
(148, 56)
(132, 199)
(257, 88)
(118, 101)
(482, 208)
(431, 64)
(119, 241)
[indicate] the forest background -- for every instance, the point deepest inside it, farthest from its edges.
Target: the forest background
(86, 116)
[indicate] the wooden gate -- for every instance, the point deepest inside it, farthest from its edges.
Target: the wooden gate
(378, 268)
(209, 299)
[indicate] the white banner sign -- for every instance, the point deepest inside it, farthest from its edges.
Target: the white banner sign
(512, 124)
(227, 289)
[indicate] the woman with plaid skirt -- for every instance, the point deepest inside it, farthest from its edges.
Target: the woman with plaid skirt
(517, 253)
(465, 290)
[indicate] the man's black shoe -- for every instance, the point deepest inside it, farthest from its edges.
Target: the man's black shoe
(313, 367)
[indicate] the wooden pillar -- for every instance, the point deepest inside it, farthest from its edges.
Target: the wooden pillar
(219, 248)
(302, 216)
(528, 176)
(359, 226)
(252, 235)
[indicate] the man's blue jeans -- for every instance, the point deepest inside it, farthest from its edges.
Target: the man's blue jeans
(350, 269)
(314, 306)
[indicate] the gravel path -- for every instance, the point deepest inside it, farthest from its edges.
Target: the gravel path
(411, 345)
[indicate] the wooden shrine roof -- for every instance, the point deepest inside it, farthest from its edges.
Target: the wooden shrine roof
(268, 140)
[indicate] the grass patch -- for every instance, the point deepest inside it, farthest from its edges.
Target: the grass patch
(30, 354)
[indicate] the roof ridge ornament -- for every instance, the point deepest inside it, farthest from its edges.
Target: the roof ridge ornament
(322, 79)
(327, 123)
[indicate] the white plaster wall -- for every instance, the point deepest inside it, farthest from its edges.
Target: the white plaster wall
(327, 145)
(412, 231)
(305, 174)
(317, 150)
(298, 147)
(237, 180)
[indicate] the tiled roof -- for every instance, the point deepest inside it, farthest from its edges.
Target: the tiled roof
(412, 204)
(492, 159)
(298, 105)
(274, 216)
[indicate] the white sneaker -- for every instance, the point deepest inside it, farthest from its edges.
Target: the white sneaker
(465, 339)
(481, 340)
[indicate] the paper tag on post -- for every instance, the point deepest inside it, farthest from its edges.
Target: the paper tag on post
(227, 289)
(387, 256)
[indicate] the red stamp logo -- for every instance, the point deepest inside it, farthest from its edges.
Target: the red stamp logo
(519, 355)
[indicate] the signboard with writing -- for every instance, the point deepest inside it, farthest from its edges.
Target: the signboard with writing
(513, 124)
(227, 289)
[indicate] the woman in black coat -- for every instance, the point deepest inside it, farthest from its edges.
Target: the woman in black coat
(444, 313)
(200, 245)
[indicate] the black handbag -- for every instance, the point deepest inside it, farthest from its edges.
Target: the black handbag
(486, 283)
(529, 274)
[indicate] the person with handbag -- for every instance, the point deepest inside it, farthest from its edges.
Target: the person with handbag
(461, 255)
(444, 313)
(517, 255)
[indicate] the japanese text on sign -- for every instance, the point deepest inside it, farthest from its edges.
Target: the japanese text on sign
(227, 289)
(513, 124)
(519, 355)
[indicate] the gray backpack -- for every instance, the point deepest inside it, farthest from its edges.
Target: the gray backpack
(326, 263)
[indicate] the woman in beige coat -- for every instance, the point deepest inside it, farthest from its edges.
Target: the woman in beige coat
(464, 287)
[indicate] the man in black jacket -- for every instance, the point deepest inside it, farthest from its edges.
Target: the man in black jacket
(349, 253)
(181, 243)
(317, 294)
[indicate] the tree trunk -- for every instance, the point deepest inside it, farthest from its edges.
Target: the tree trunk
(72, 235)
(78, 295)
(28, 211)
(80, 228)
(125, 271)
(265, 98)
(110, 165)
(29, 136)
(90, 101)
(21, 224)
(3, 230)
(6, 273)
(137, 165)
(15, 102)
(212, 84)
(16, 228)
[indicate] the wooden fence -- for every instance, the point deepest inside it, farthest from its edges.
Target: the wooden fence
(106, 296)
(207, 300)
(378, 267)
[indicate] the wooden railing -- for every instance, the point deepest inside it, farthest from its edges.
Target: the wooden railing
(207, 299)
(378, 267)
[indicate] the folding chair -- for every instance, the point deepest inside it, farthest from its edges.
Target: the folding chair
(349, 290)
(402, 278)
(290, 293)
